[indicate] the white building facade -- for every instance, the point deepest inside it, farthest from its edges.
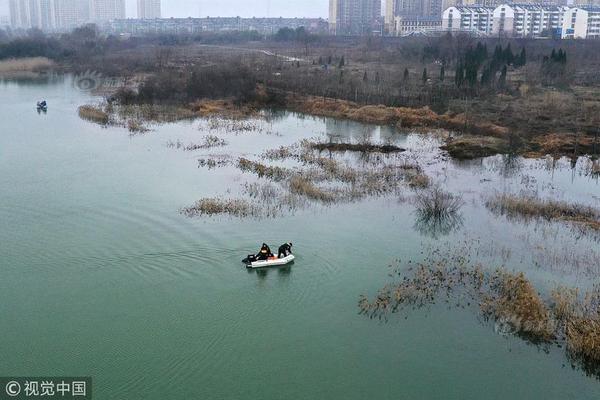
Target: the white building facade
(468, 19)
(525, 20)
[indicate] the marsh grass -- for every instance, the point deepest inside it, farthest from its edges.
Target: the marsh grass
(302, 186)
(23, 65)
(274, 173)
(566, 318)
(529, 207)
(136, 126)
(319, 180)
(512, 300)
(208, 142)
(94, 114)
(154, 113)
(357, 147)
(213, 162)
(435, 203)
(220, 206)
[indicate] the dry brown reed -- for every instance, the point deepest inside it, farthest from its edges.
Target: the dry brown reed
(94, 114)
(533, 207)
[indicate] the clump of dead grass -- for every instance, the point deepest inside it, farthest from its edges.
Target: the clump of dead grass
(357, 147)
(263, 171)
(302, 186)
(94, 114)
(219, 206)
(507, 298)
(514, 301)
(21, 65)
(533, 207)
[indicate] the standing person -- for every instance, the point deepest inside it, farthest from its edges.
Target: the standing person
(284, 250)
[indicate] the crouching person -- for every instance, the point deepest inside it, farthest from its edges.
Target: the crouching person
(284, 250)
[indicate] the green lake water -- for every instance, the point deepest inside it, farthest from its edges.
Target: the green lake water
(102, 276)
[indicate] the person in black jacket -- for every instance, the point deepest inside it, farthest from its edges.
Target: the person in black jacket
(264, 253)
(284, 250)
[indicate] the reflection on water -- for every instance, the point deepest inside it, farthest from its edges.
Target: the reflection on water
(437, 226)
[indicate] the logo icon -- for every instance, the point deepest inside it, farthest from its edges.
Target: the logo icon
(13, 388)
(88, 81)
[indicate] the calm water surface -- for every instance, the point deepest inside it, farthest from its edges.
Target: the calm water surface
(102, 277)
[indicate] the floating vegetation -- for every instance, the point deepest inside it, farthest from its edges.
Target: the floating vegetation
(218, 206)
(208, 142)
(136, 126)
(324, 180)
(357, 147)
(529, 207)
(94, 114)
(507, 298)
(305, 187)
(237, 126)
(263, 171)
(213, 162)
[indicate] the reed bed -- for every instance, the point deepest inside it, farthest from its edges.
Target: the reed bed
(31, 64)
(357, 147)
(94, 114)
(208, 142)
(220, 206)
(566, 318)
(529, 207)
(263, 171)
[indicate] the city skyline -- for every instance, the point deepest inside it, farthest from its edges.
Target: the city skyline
(228, 8)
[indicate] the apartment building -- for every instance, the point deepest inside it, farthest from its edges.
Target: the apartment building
(477, 19)
(524, 20)
(148, 9)
(107, 10)
(527, 20)
(355, 17)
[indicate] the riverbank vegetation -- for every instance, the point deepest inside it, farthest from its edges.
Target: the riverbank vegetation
(532, 97)
(565, 317)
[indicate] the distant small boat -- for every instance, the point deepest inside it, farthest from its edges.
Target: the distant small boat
(42, 105)
(251, 262)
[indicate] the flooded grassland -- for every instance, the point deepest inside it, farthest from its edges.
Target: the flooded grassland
(121, 251)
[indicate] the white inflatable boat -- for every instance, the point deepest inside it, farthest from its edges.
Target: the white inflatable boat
(271, 262)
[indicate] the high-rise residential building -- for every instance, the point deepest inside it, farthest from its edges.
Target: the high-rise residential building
(19, 14)
(27, 14)
(72, 13)
(416, 8)
(107, 10)
(148, 9)
(49, 15)
(355, 17)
